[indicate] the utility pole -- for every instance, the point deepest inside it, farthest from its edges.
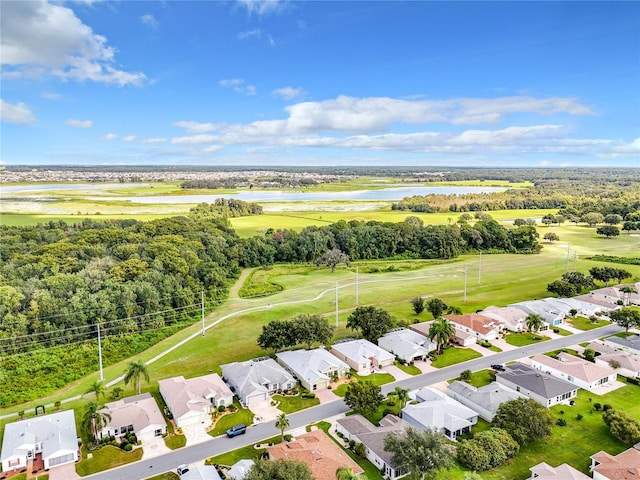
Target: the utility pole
(479, 268)
(567, 269)
(575, 256)
(336, 304)
(100, 353)
(465, 284)
(357, 287)
(202, 300)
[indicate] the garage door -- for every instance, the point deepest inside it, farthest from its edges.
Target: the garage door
(257, 398)
(62, 459)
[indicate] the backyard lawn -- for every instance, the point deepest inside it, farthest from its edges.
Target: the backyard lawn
(241, 415)
(453, 355)
(523, 339)
(289, 404)
(106, 458)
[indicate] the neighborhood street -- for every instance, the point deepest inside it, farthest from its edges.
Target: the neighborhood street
(216, 446)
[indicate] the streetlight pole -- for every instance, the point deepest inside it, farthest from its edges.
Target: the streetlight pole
(202, 310)
(567, 269)
(100, 353)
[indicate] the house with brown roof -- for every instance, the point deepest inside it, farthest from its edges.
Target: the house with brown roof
(575, 370)
(460, 337)
(192, 401)
(138, 414)
(625, 363)
(318, 451)
(624, 466)
(484, 328)
(544, 471)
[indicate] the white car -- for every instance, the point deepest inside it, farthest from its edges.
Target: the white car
(184, 468)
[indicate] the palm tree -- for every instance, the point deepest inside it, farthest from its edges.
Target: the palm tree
(94, 419)
(134, 371)
(346, 473)
(453, 310)
(534, 322)
(627, 290)
(96, 388)
(442, 330)
(282, 423)
(402, 394)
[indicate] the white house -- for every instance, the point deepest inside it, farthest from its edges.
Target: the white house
(51, 436)
(483, 400)
(482, 327)
(201, 472)
(313, 368)
(575, 370)
(542, 387)
(550, 314)
(239, 470)
(255, 380)
(362, 355)
(513, 319)
(437, 411)
(361, 430)
(629, 363)
(407, 344)
(192, 401)
(139, 414)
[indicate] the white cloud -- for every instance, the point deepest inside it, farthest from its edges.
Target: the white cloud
(149, 20)
(109, 136)
(255, 33)
(51, 96)
(154, 140)
(239, 86)
(195, 127)
(79, 123)
(40, 38)
(263, 7)
(18, 113)
(129, 138)
(288, 93)
(212, 149)
(195, 139)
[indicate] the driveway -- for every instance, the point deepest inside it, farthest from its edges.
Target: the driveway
(325, 395)
(264, 412)
(396, 372)
(154, 448)
(195, 434)
(64, 472)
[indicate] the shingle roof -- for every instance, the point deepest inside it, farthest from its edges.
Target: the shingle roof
(600, 347)
(437, 410)
(318, 451)
(309, 365)
(139, 411)
(544, 471)
(478, 323)
(574, 366)
(537, 382)
(404, 342)
(626, 360)
(624, 466)
(194, 394)
(488, 397)
(632, 342)
(510, 315)
(239, 469)
(250, 376)
(362, 350)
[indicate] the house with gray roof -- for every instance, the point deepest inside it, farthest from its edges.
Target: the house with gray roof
(439, 412)
(53, 437)
(566, 305)
(512, 318)
(192, 401)
(625, 363)
(255, 380)
(483, 400)
(239, 470)
(362, 355)
(630, 344)
(138, 414)
(313, 368)
(407, 344)
(361, 430)
(542, 387)
(201, 472)
(578, 371)
(550, 314)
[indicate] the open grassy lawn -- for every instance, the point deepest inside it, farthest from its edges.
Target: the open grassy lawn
(224, 423)
(583, 323)
(453, 355)
(290, 404)
(174, 441)
(375, 378)
(523, 339)
(480, 378)
(561, 331)
(408, 369)
(554, 353)
(165, 476)
(106, 458)
(574, 443)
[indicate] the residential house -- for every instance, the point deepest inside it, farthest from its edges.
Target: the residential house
(139, 414)
(201, 472)
(544, 471)
(600, 348)
(567, 305)
(483, 400)
(437, 411)
(407, 344)
(615, 297)
(624, 466)
(460, 337)
(512, 318)
(52, 437)
(549, 313)
(578, 371)
(362, 355)
(239, 470)
(318, 451)
(255, 380)
(483, 328)
(192, 401)
(543, 388)
(601, 306)
(629, 364)
(361, 430)
(630, 344)
(313, 368)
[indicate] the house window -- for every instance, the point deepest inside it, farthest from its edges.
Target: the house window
(123, 430)
(14, 463)
(158, 432)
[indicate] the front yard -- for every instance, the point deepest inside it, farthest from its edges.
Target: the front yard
(290, 404)
(523, 339)
(582, 323)
(408, 369)
(105, 458)
(225, 422)
(375, 378)
(453, 355)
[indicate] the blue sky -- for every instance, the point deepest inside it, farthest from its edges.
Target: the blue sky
(320, 83)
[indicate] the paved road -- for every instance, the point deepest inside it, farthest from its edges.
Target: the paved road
(216, 446)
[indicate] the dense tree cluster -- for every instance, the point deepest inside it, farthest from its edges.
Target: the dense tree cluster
(423, 455)
(225, 208)
(524, 419)
(487, 449)
(303, 328)
(606, 274)
(363, 397)
(371, 322)
(622, 426)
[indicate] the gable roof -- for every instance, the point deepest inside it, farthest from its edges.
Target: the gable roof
(201, 472)
(437, 410)
(537, 382)
(405, 342)
(626, 360)
(544, 471)
(318, 451)
(309, 365)
(195, 394)
(600, 347)
(371, 436)
(56, 431)
(140, 411)
(509, 315)
(362, 350)
(476, 322)
(252, 375)
(624, 466)
(574, 366)
(543, 307)
(240, 469)
(488, 397)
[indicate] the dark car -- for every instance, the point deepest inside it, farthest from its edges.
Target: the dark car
(236, 430)
(498, 367)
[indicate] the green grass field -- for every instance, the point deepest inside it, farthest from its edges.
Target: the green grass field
(241, 415)
(523, 339)
(106, 458)
(294, 404)
(582, 323)
(453, 355)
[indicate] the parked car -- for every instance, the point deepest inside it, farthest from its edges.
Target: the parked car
(498, 367)
(184, 468)
(236, 430)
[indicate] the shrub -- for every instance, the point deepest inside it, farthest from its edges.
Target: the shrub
(597, 406)
(221, 408)
(391, 404)
(360, 450)
(606, 407)
(633, 381)
(352, 444)
(232, 408)
(287, 437)
(579, 417)
(128, 447)
(561, 412)
(556, 330)
(561, 422)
